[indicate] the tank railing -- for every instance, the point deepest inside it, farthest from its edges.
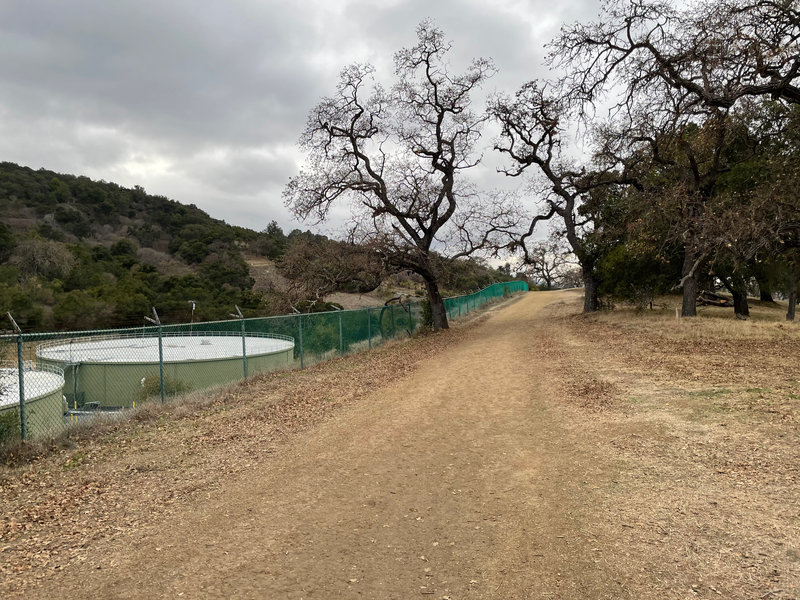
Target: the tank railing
(154, 335)
(9, 383)
(31, 367)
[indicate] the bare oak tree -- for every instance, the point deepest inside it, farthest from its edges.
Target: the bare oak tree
(533, 124)
(718, 52)
(398, 155)
(315, 267)
(550, 262)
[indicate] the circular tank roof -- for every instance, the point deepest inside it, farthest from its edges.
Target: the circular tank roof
(176, 348)
(37, 384)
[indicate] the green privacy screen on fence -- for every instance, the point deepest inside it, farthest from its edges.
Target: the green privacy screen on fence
(50, 380)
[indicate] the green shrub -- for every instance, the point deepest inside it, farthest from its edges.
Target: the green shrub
(427, 313)
(9, 426)
(629, 276)
(151, 387)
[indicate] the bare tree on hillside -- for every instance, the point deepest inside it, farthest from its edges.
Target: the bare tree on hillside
(42, 258)
(398, 154)
(316, 268)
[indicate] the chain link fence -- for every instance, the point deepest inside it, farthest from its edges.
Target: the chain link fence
(49, 381)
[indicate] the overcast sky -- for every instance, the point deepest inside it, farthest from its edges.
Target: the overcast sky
(203, 102)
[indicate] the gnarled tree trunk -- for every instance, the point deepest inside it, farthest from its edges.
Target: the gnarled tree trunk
(792, 296)
(763, 274)
(738, 289)
(590, 302)
(438, 313)
(740, 305)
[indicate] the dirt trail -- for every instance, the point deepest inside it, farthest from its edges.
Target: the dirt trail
(458, 481)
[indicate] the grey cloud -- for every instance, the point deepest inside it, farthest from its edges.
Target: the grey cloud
(245, 172)
(203, 102)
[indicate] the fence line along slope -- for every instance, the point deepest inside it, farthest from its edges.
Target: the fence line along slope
(54, 380)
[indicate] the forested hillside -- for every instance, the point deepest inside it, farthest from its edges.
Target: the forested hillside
(77, 253)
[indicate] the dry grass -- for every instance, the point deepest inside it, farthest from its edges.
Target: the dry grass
(683, 450)
(264, 272)
(767, 320)
(354, 301)
(105, 480)
(701, 415)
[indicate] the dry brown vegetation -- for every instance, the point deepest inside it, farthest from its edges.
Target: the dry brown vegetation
(633, 456)
(266, 275)
(264, 272)
(105, 481)
(164, 262)
(701, 415)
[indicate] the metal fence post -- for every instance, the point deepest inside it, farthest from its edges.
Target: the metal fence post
(161, 364)
(410, 318)
(369, 330)
(21, 375)
(300, 325)
(157, 322)
(244, 351)
(244, 347)
(23, 430)
(341, 338)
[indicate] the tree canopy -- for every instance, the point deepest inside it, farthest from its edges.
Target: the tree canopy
(688, 173)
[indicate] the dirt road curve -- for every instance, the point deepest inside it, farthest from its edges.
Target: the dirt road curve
(458, 481)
